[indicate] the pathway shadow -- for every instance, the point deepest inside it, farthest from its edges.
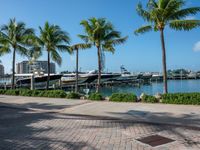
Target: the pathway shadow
(43, 106)
(17, 129)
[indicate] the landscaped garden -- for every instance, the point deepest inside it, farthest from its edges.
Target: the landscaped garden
(176, 98)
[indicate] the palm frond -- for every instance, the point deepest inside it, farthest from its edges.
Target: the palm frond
(184, 24)
(64, 48)
(56, 57)
(119, 41)
(21, 50)
(4, 49)
(143, 13)
(85, 38)
(184, 13)
(143, 29)
(81, 46)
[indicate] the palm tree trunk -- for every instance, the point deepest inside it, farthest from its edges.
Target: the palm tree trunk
(13, 68)
(165, 90)
(99, 69)
(76, 87)
(48, 70)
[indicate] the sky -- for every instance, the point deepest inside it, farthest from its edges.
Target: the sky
(139, 53)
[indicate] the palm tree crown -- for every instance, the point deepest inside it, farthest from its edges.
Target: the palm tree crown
(161, 13)
(53, 39)
(13, 38)
(101, 34)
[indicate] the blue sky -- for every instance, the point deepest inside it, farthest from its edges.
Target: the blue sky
(139, 53)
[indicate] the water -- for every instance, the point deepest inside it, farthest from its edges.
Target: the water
(175, 86)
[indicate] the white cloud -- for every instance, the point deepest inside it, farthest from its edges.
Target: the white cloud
(197, 47)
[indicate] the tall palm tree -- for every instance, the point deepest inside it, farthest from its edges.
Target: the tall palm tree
(103, 36)
(53, 39)
(13, 37)
(162, 13)
(77, 47)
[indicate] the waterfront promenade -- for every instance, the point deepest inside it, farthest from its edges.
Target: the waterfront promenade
(43, 123)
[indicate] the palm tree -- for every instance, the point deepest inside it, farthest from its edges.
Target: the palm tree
(162, 13)
(76, 48)
(53, 39)
(13, 37)
(103, 36)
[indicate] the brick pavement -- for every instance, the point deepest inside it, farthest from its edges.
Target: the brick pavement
(25, 129)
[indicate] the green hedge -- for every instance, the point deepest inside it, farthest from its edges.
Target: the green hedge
(35, 93)
(149, 99)
(123, 97)
(73, 95)
(95, 97)
(182, 98)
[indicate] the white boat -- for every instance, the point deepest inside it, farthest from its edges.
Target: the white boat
(192, 75)
(126, 75)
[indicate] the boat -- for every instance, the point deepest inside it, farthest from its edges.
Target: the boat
(126, 75)
(39, 81)
(192, 75)
(157, 77)
(145, 76)
(70, 79)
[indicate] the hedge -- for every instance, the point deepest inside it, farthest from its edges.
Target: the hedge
(181, 98)
(149, 99)
(95, 97)
(123, 97)
(35, 93)
(73, 95)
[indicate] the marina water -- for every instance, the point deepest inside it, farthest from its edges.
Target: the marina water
(175, 86)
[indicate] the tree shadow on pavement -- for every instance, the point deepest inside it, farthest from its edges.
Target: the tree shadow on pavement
(21, 128)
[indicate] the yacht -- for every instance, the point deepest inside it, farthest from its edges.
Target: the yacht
(192, 75)
(126, 75)
(157, 77)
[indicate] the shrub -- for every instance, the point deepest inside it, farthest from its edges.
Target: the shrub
(149, 99)
(73, 95)
(2, 92)
(95, 96)
(35, 93)
(181, 98)
(25, 93)
(54, 94)
(12, 92)
(123, 97)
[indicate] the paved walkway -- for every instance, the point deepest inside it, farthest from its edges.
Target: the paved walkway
(22, 128)
(157, 113)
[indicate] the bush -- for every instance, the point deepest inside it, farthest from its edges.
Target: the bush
(2, 92)
(12, 92)
(35, 93)
(25, 93)
(149, 99)
(95, 97)
(54, 94)
(73, 95)
(181, 98)
(123, 97)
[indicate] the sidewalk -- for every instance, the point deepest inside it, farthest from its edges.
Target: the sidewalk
(44, 123)
(155, 113)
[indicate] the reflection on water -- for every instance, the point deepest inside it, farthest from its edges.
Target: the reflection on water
(174, 86)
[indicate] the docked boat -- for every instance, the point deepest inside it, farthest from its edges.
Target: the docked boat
(70, 79)
(146, 76)
(39, 81)
(192, 75)
(157, 77)
(126, 75)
